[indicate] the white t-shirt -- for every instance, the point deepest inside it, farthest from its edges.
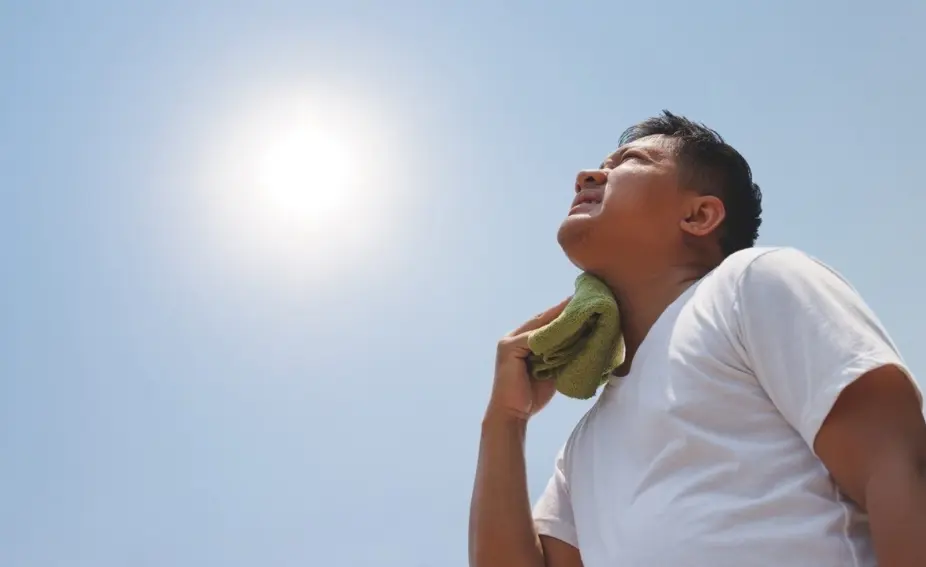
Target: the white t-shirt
(702, 455)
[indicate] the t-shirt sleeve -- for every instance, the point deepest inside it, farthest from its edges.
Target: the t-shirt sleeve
(553, 510)
(807, 335)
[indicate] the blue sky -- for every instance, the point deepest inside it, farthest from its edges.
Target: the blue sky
(185, 386)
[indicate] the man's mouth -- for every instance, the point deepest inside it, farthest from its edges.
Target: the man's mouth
(587, 201)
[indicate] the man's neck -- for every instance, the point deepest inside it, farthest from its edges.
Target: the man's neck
(644, 298)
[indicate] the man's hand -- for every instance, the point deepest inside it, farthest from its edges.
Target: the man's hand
(514, 394)
(501, 529)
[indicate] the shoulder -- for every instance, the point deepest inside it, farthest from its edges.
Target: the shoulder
(760, 268)
(774, 281)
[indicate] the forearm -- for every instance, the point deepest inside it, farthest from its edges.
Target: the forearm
(501, 529)
(896, 503)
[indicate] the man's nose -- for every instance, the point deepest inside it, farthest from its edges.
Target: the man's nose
(590, 178)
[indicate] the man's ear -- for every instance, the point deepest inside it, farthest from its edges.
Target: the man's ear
(704, 213)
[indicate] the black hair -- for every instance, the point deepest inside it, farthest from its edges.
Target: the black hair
(714, 168)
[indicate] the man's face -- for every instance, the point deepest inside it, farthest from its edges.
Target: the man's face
(629, 208)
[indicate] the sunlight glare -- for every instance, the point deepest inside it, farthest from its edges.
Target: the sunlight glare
(299, 185)
(305, 176)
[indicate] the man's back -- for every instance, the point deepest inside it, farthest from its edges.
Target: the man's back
(702, 454)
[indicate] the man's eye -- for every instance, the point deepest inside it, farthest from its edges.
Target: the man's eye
(629, 156)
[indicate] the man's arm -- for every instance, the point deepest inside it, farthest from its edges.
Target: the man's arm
(874, 444)
(501, 528)
(830, 368)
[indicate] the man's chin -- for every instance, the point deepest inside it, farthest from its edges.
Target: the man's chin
(573, 237)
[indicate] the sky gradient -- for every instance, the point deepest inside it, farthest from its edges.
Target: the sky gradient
(184, 381)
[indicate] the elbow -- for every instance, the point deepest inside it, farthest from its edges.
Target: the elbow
(490, 558)
(497, 555)
(900, 481)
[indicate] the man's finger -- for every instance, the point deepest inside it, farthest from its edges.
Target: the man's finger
(542, 319)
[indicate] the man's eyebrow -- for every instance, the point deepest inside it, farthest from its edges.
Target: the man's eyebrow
(646, 151)
(611, 157)
(615, 155)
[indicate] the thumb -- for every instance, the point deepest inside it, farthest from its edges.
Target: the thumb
(542, 319)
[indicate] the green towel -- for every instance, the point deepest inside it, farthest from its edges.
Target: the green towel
(580, 348)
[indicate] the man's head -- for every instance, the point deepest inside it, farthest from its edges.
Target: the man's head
(673, 192)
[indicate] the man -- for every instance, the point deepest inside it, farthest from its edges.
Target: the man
(763, 416)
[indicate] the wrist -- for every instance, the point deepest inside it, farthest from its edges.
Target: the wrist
(503, 418)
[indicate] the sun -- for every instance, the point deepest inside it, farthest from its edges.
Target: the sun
(295, 183)
(304, 175)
